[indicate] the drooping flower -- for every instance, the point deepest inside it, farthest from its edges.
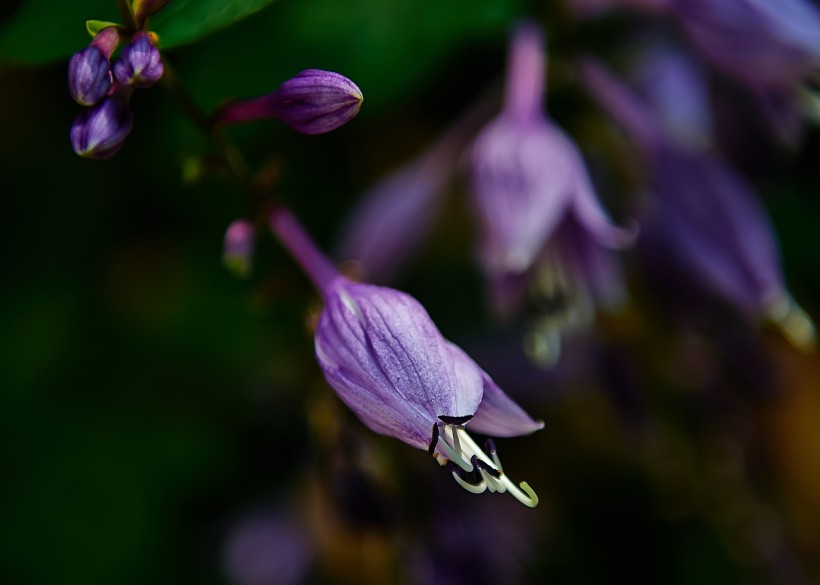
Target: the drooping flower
(543, 226)
(100, 131)
(379, 349)
(140, 63)
(313, 102)
(706, 216)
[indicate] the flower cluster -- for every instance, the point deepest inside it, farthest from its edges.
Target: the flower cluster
(105, 89)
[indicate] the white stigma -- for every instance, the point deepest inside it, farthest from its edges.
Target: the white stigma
(486, 474)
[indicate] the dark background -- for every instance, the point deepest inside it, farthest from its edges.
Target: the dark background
(150, 400)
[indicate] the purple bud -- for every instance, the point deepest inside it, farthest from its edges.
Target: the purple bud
(99, 132)
(238, 247)
(140, 63)
(89, 76)
(313, 102)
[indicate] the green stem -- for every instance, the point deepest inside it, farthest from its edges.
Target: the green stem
(233, 156)
(127, 15)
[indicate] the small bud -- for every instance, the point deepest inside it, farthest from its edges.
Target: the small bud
(238, 247)
(99, 131)
(89, 76)
(140, 64)
(313, 102)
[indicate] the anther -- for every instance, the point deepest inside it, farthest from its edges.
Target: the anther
(481, 464)
(434, 440)
(455, 420)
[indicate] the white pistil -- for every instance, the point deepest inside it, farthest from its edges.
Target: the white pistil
(460, 449)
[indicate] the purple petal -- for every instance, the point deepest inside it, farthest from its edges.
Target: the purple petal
(718, 227)
(587, 211)
(523, 177)
(758, 41)
(676, 87)
(394, 217)
(499, 416)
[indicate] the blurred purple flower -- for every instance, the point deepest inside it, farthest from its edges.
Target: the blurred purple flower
(238, 247)
(313, 102)
(268, 547)
(706, 216)
(395, 215)
(140, 63)
(100, 131)
(542, 222)
(761, 42)
(379, 349)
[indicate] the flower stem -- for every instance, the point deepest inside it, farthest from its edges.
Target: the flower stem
(293, 236)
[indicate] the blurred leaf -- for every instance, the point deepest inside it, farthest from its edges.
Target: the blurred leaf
(183, 21)
(44, 31)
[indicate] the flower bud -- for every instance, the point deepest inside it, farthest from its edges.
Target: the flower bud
(89, 76)
(313, 102)
(99, 132)
(238, 247)
(140, 64)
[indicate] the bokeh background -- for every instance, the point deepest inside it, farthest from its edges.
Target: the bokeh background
(162, 421)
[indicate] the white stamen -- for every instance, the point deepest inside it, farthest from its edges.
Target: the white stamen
(460, 449)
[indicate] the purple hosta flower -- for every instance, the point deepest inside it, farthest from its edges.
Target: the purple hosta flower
(313, 102)
(140, 63)
(89, 71)
(238, 247)
(100, 131)
(379, 349)
(706, 217)
(541, 219)
(761, 42)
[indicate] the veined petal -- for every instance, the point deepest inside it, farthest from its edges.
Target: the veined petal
(499, 416)
(382, 353)
(589, 213)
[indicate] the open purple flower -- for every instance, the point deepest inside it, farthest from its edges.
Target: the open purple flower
(542, 223)
(313, 102)
(381, 352)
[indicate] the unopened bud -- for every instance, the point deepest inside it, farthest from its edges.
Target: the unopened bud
(238, 247)
(140, 64)
(99, 132)
(313, 102)
(89, 76)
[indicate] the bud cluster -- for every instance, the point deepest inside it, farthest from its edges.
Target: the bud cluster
(105, 89)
